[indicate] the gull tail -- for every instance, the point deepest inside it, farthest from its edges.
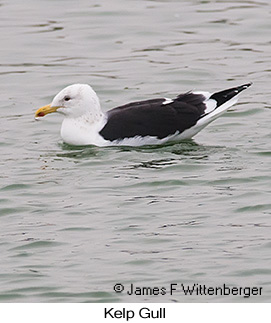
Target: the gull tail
(226, 95)
(221, 101)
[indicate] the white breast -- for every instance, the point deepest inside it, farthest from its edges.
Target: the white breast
(80, 131)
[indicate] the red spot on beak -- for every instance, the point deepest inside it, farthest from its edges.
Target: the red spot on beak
(41, 114)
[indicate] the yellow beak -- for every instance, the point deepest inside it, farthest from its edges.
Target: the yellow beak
(41, 112)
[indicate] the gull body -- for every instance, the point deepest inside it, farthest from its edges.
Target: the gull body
(148, 122)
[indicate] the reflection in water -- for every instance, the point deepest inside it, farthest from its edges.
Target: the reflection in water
(168, 154)
(78, 152)
(154, 163)
(183, 150)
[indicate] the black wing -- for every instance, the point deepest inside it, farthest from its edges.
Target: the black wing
(153, 118)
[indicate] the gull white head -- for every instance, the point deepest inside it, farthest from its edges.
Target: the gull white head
(83, 115)
(74, 101)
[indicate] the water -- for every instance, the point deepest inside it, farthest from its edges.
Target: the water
(77, 220)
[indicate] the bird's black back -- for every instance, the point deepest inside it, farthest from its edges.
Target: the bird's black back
(153, 118)
(161, 118)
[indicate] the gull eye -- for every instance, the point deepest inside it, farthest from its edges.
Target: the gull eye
(67, 98)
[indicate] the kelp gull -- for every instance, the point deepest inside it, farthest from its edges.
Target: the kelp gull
(148, 122)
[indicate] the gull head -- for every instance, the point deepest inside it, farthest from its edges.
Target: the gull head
(73, 101)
